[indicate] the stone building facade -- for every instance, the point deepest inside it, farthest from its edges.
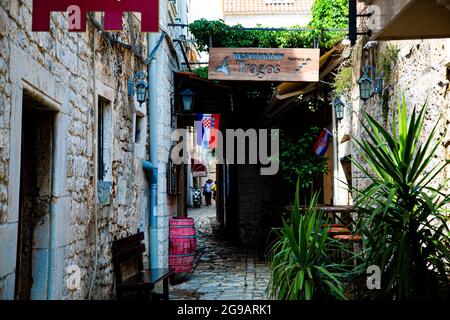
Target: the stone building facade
(72, 144)
(420, 70)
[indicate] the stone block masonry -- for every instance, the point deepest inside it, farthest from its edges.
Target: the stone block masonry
(255, 193)
(421, 73)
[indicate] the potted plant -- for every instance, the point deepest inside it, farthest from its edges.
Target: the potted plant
(402, 212)
(299, 260)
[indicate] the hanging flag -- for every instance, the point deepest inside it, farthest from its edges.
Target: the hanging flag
(204, 130)
(207, 130)
(214, 140)
(321, 145)
(206, 123)
(199, 129)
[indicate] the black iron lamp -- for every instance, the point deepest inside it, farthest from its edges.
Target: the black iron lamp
(138, 86)
(378, 84)
(339, 108)
(370, 84)
(187, 99)
(365, 84)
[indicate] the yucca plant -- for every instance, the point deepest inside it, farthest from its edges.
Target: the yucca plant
(299, 260)
(401, 213)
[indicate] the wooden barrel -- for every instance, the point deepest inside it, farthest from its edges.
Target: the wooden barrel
(182, 244)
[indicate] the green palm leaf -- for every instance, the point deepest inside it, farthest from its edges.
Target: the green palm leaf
(401, 213)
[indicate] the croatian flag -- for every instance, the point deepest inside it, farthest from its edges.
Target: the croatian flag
(321, 145)
(207, 130)
(214, 132)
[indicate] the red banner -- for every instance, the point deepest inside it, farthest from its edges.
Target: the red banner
(214, 140)
(113, 13)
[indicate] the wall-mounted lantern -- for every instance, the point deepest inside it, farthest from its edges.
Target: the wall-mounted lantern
(378, 84)
(339, 108)
(187, 99)
(138, 86)
(370, 84)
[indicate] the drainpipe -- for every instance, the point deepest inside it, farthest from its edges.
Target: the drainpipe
(151, 166)
(335, 157)
(51, 234)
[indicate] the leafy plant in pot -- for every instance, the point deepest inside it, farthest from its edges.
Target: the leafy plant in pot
(401, 213)
(299, 260)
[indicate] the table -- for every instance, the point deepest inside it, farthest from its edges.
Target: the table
(331, 210)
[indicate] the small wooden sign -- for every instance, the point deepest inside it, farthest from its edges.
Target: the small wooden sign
(261, 64)
(172, 181)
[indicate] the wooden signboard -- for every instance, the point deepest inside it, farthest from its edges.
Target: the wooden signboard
(172, 181)
(261, 64)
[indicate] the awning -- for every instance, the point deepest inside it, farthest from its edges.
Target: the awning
(290, 89)
(287, 92)
(409, 19)
(198, 169)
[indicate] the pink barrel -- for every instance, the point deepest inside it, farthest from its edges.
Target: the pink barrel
(182, 244)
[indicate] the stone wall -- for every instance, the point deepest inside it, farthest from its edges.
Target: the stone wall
(257, 196)
(420, 72)
(56, 69)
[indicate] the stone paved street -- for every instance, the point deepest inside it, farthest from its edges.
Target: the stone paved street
(222, 271)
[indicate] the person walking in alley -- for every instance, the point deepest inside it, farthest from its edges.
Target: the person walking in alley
(214, 190)
(207, 191)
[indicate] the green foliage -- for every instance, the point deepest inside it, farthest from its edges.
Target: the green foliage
(297, 158)
(202, 72)
(329, 14)
(401, 211)
(326, 14)
(299, 264)
(387, 60)
(385, 104)
(344, 81)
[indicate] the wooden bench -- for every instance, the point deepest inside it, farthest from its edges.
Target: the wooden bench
(129, 273)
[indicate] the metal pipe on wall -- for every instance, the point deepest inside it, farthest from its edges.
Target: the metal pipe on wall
(51, 234)
(335, 157)
(151, 166)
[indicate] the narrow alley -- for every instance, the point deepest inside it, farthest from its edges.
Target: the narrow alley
(221, 271)
(155, 150)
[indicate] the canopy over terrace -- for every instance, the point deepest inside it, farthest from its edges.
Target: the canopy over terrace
(287, 94)
(198, 168)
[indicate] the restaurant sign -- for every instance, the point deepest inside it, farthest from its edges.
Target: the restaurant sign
(261, 64)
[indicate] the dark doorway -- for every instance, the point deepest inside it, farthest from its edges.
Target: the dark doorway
(35, 193)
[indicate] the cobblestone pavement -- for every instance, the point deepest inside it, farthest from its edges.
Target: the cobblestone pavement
(222, 271)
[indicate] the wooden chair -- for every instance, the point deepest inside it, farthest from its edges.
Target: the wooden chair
(129, 273)
(353, 242)
(338, 231)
